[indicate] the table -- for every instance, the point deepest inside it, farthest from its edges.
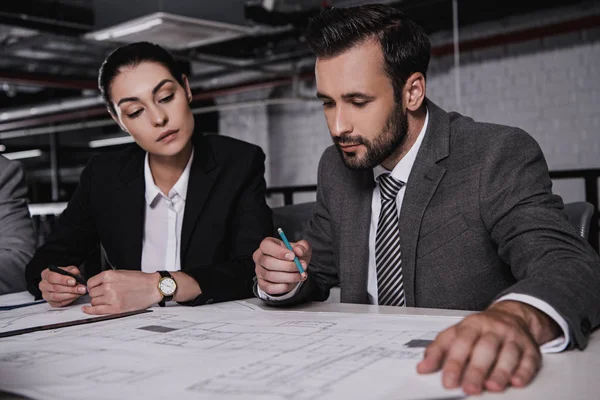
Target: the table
(572, 374)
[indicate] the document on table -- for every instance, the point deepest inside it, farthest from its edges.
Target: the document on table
(32, 318)
(17, 300)
(212, 352)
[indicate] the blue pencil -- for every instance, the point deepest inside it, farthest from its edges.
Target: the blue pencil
(289, 246)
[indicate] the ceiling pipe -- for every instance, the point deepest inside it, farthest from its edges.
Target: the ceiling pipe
(259, 64)
(51, 108)
(81, 108)
(196, 111)
(80, 103)
(20, 78)
(17, 133)
(56, 129)
(446, 49)
(52, 119)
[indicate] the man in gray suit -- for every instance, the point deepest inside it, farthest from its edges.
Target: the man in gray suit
(419, 207)
(17, 241)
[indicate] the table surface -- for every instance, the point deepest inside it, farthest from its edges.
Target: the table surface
(571, 374)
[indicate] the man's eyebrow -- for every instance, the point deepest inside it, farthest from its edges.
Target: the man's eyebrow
(156, 89)
(322, 96)
(357, 95)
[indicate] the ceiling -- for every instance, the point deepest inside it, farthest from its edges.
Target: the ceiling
(49, 59)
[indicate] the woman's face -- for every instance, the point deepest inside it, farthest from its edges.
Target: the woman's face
(153, 108)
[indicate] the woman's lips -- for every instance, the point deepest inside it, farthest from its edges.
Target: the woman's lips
(167, 136)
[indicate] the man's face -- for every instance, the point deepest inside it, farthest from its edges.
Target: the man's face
(365, 122)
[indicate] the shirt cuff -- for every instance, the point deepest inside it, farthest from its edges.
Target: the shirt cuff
(290, 294)
(556, 345)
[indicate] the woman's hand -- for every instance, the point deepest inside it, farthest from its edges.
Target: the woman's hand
(117, 291)
(60, 290)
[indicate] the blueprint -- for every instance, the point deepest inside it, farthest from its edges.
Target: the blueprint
(40, 314)
(36, 315)
(227, 351)
(16, 298)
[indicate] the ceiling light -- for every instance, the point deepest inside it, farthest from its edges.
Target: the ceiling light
(111, 141)
(18, 155)
(128, 30)
(171, 31)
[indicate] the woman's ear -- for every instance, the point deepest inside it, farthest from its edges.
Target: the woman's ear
(114, 117)
(186, 87)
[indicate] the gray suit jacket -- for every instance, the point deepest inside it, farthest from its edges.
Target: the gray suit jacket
(17, 241)
(478, 221)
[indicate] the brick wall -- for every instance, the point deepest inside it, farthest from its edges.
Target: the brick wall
(549, 87)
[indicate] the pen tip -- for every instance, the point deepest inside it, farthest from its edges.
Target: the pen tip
(279, 230)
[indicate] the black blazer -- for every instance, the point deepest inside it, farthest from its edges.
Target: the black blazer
(225, 217)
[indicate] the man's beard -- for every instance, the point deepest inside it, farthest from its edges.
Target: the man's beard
(385, 143)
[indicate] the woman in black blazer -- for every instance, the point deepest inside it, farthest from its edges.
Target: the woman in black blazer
(178, 215)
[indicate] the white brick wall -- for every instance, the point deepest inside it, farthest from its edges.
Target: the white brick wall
(549, 87)
(293, 137)
(298, 134)
(249, 124)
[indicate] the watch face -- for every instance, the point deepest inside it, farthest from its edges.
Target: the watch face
(167, 286)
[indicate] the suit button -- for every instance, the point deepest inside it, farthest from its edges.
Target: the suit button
(585, 326)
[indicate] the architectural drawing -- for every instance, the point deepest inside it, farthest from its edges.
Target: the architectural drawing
(216, 353)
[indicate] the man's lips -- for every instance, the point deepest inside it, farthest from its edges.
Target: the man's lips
(167, 133)
(349, 147)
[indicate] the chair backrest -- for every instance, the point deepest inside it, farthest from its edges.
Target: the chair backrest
(292, 219)
(580, 215)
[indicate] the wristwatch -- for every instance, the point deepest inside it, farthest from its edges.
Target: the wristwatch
(166, 286)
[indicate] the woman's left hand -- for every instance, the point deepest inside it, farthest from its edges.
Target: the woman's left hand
(117, 291)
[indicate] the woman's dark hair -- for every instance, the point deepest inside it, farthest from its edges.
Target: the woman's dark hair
(129, 56)
(406, 47)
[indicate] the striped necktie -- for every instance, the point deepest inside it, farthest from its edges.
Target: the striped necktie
(390, 287)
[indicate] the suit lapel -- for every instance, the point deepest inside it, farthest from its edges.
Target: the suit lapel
(131, 206)
(423, 181)
(354, 243)
(202, 177)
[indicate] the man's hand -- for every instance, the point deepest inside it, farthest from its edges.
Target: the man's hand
(120, 291)
(275, 268)
(60, 290)
(491, 349)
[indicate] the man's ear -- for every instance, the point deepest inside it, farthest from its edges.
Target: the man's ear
(414, 91)
(114, 117)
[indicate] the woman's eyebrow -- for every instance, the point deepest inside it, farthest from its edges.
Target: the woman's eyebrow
(156, 89)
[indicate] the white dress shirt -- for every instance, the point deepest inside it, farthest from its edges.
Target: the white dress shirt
(401, 172)
(161, 244)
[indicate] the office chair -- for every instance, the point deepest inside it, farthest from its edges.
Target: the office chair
(580, 215)
(292, 219)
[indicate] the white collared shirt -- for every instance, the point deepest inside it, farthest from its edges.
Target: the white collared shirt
(161, 244)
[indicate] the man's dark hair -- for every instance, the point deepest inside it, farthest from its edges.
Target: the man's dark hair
(406, 47)
(129, 56)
